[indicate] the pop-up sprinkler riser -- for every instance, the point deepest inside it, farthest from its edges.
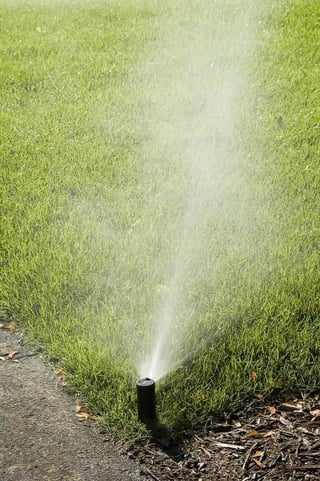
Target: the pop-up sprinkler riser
(146, 398)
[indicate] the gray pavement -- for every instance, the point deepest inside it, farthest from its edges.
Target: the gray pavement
(40, 436)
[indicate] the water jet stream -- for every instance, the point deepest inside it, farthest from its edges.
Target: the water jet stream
(196, 81)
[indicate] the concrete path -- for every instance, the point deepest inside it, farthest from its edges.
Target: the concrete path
(40, 436)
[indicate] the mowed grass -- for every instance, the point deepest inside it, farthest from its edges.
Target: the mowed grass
(68, 176)
(74, 269)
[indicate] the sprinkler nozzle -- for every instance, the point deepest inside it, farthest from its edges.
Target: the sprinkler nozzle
(146, 394)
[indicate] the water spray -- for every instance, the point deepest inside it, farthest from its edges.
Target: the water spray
(146, 394)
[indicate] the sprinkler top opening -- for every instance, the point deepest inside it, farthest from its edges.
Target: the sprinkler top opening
(145, 382)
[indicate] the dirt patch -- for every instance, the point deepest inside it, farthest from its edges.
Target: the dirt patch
(40, 437)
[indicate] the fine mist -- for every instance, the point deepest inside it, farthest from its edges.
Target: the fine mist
(194, 88)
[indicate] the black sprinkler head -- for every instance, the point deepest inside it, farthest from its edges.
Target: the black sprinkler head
(146, 394)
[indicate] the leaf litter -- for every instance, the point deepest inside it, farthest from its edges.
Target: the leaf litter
(259, 442)
(83, 415)
(8, 356)
(7, 326)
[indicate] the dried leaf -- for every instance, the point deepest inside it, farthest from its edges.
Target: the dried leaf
(269, 433)
(253, 434)
(12, 353)
(254, 376)
(272, 410)
(95, 418)
(82, 415)
(257, 454)
(259, 463)
(7, 327)
(315, 414)
(60, 377)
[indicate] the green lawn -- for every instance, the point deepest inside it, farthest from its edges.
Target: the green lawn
(112, 208)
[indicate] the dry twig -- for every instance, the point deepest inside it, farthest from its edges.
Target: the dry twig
(248, 455)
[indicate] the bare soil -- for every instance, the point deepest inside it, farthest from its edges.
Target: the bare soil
(42, 439)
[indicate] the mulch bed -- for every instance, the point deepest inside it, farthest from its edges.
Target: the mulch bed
(278, 442)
